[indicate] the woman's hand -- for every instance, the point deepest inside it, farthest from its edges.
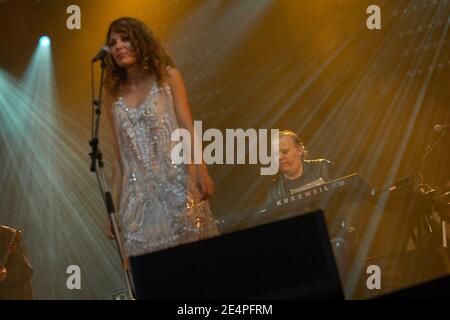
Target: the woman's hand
(2, 274)
(110, 231)
(205, 184)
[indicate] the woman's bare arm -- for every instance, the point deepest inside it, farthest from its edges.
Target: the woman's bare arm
(183, 112)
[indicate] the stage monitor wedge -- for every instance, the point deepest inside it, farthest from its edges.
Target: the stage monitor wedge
(289, 259)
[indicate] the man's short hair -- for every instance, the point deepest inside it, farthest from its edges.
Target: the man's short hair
(296, 139)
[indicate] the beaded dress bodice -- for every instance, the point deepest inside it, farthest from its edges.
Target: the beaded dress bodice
(159, 203)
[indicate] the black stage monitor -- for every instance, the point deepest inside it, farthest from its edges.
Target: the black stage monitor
(289, 259)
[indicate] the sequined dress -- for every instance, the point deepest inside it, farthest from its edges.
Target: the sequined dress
(159, 203)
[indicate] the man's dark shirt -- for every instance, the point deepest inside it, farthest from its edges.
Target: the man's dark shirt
(313, 170)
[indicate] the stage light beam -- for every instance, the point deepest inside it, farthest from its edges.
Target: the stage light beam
(44, 41)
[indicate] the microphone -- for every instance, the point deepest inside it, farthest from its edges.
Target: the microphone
(441, 127)
(101, 54)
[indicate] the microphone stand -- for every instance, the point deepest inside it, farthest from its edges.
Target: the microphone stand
(430, 148)
(96, 156)
(426, 190)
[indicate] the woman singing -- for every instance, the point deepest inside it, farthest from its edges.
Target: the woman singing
(161, 204)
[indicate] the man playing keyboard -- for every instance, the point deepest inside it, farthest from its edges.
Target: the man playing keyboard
(296, 173)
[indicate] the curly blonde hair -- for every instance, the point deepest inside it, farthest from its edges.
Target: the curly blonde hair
(150, 54)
